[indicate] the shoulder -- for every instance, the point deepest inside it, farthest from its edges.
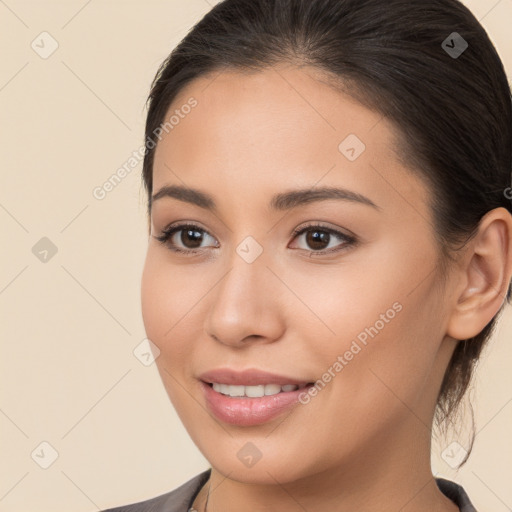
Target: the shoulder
(177, 500)
(456, 493)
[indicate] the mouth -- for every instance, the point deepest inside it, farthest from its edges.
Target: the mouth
(251, 405)
(255, 391)
(250, 396)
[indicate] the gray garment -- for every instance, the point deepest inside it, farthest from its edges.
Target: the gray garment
(181, 499)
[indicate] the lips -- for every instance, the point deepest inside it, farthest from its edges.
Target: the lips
(250, 377)
(252, 407)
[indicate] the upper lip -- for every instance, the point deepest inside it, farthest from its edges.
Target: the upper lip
(250, 377)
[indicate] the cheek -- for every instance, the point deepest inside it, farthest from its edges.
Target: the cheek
(154, 300)
(346, 300)
(162, 306)
(166, 297)
(173, 302)
(384, 319)
(168, 294)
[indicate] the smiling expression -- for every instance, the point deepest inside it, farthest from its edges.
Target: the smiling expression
(277, 239)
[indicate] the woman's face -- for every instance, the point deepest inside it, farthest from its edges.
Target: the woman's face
(360, 313)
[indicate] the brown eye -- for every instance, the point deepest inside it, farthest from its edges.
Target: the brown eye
(318, 239)
(190, 238)
(185, 238)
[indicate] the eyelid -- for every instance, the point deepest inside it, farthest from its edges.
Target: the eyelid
(171, 229)
(325, 226)
(175, 227)
(350, 238)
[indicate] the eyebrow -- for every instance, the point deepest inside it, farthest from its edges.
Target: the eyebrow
(279, 202)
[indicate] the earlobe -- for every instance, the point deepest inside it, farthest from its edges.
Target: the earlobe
(487, 270)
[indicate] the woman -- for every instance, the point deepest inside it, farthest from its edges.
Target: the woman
(330, 246)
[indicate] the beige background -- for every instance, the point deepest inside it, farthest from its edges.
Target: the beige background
(69, 326)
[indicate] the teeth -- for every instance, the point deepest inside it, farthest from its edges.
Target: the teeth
(272, 389)
(234, 390)
(253, 391)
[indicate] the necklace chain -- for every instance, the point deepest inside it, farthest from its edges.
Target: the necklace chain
(192, 508)
(208, 496)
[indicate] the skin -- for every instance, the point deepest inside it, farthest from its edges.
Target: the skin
(363, 443)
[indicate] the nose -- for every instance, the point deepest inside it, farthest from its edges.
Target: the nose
(245, 306)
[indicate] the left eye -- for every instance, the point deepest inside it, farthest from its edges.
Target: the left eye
(318, 238)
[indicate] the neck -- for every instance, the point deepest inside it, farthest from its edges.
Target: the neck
(382, 479)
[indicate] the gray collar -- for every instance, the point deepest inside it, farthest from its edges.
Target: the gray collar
(181, 498)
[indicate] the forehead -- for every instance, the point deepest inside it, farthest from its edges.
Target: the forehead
(286, 106)
(275, 129)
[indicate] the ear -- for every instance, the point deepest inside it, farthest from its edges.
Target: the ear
(485, 273)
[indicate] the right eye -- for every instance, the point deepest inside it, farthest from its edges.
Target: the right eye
(191, 235)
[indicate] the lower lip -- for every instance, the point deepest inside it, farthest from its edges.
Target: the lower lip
(245, 411)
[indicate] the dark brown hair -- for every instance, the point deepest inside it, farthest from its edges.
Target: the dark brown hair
(453, 112)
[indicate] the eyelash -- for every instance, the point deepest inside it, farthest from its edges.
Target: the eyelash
(167, 234)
